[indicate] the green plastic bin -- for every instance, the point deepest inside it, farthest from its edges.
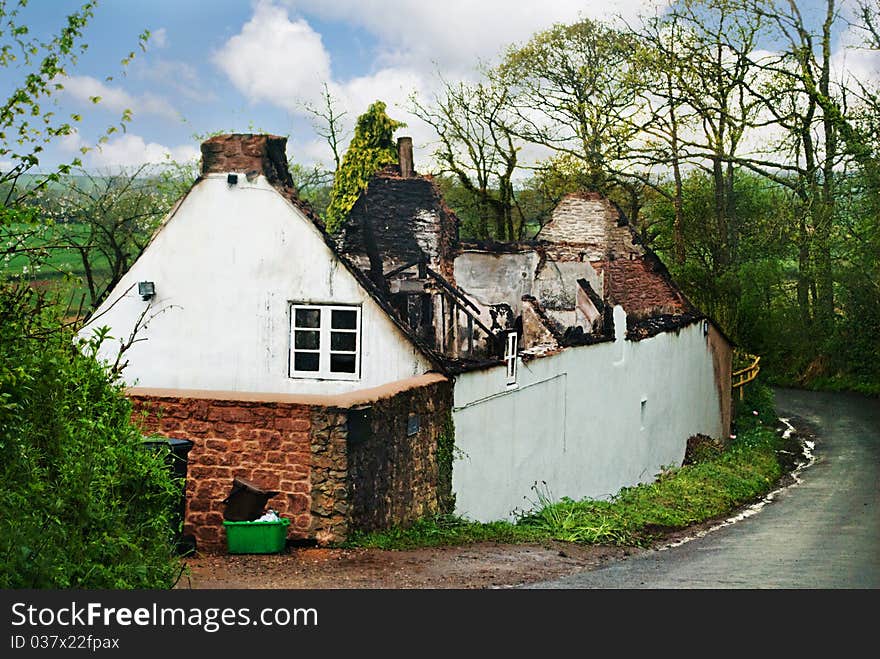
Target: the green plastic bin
(256, 537)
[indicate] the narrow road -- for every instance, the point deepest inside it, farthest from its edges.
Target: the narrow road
(823, 532)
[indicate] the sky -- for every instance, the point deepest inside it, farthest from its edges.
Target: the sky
(254, 65)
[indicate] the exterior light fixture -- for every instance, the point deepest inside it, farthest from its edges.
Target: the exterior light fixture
(146, 289)
(232, 179)
(705, 327)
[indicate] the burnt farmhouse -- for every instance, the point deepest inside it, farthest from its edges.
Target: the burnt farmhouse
(392, 370)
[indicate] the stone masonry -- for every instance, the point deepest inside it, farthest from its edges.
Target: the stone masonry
(263, 442)
(330, 482)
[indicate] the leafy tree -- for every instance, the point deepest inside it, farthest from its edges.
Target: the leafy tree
(83, 504)
(313, 184)
(371, 148)
(576, 90)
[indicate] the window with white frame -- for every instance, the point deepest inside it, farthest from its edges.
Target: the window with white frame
(510, 357)
(325, 342)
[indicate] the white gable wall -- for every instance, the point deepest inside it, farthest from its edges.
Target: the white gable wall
(575, 420)
(226, 266)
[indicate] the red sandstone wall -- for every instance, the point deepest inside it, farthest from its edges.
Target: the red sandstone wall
(266, 443)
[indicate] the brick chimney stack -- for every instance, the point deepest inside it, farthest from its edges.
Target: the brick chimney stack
(405, 156)
(248, 154)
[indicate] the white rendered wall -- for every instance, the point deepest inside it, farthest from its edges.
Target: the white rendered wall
(575, 421)
(226, 266)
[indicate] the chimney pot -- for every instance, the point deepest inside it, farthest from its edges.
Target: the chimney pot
(405, 156)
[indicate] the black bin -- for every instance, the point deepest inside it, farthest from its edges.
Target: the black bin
(246, 501)
(176, 457)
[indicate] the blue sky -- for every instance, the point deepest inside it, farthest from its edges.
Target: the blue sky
(246, 65)
(249, 66)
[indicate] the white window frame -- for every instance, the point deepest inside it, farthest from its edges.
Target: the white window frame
(510, 354)
(324, 351)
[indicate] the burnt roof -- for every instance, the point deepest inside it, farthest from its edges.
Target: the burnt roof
(597, 301)
(372, 289)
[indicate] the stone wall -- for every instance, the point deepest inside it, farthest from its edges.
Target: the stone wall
(333, 474)
(586, 226)
(395, 455)
(247, 154)
(263, 442)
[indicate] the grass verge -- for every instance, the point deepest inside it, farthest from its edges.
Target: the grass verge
(716, 484)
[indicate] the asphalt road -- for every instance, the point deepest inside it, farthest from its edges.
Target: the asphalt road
(823, 532)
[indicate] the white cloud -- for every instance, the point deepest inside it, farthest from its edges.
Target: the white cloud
(159, 38)
(72, 142)
(275, 59)
(280, 59)
(125, 151)
(180, 77)
(85, 88)
(456, 34)
(852, 61)
(132, 150)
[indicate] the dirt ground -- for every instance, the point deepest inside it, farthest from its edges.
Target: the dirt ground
(473, 566)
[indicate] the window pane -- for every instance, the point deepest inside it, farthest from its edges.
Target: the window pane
(342, 363)
(305, 361)
(308, 317)
(307, 340)
(343, 341)
(344, 319)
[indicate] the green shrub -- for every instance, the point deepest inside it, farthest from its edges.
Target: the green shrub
(83, 504)
(756, 409)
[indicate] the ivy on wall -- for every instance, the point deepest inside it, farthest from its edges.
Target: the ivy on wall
(445, 456)
(371, 148)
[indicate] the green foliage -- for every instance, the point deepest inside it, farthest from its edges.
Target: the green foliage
(756, 409)
(87, 229)
(313, 185)
(83, 504)
(576, 90)
(445, 457)
(371, 148)
(28, 117)
(754, 296)
(440, 531)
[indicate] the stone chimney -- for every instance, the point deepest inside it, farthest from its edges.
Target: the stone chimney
(248, 154)
(405, 156)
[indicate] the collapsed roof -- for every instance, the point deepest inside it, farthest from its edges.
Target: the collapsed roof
(458, 300)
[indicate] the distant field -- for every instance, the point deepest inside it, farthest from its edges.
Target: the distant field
(61, 266)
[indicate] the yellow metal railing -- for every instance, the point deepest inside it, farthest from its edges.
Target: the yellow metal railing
(745, 375)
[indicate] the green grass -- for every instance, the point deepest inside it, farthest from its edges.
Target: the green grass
(840, 382)
(57, 261)
(636, 516)
(60, 268)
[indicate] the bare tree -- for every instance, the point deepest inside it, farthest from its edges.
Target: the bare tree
(107, 220)
(327, 122)
(478, 147)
